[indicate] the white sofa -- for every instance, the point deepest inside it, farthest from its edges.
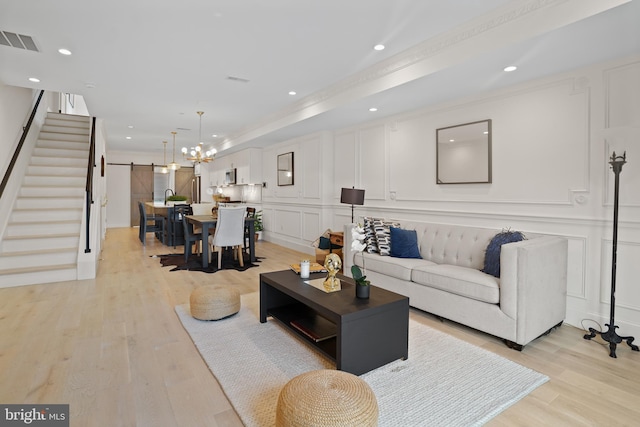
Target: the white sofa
(528, 300)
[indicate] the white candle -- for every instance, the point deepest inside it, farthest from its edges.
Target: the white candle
(304, 269)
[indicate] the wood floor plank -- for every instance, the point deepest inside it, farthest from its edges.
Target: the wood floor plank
(114, 349)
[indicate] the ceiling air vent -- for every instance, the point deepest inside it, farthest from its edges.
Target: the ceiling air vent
(237, 79)
(18, 40)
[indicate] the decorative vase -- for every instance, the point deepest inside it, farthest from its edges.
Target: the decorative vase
(362, 292)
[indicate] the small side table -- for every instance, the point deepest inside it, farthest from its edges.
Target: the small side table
(336, 238)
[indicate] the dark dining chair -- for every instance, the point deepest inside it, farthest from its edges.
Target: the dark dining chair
(174, 223)
(251, 213)
(190, 237)
(149, 224)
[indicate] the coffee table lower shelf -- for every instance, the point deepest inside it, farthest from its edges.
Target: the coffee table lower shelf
(322, 340)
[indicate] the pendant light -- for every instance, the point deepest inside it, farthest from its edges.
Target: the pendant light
(197, 154)
(164, 169)
(173, 165)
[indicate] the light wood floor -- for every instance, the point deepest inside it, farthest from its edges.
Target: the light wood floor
(114, 349)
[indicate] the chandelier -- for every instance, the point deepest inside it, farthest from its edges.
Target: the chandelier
(197, 154)
(173, 165)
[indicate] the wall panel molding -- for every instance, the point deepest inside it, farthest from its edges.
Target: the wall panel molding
(311, 228)
(627, 289)
(577, 267)
(412, 146)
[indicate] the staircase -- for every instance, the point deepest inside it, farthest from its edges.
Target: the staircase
(41, 241)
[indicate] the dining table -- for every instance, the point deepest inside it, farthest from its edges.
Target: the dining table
(207, 222)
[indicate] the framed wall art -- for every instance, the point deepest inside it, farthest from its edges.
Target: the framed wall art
(285, 169)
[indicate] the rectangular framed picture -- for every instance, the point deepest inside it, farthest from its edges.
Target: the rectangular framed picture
(285, 169)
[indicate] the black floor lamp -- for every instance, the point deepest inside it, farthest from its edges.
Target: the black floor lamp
(352, 196)
(610, 335)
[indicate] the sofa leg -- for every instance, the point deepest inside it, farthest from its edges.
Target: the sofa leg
(551, 329)
(512, 345)
(519, 347)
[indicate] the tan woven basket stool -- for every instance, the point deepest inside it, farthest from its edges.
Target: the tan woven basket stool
(214, 302)
(326, 398)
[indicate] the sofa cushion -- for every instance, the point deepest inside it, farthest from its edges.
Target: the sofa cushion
(404, 243)
(463, 281)
(370, 234)
(400, 268)
(492, 254)
(383, 235)
(451, 244)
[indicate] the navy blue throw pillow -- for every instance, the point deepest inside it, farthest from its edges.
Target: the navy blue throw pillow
(404, 243)
(492, 255)
(325, 243)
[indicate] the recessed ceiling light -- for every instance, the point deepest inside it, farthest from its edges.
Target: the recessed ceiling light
(378, 47)
(292, 92)
(127, 137)
(372, 109)
(486, 132)
(510, 68)
(215, 135)
(64, 51)
(33, 79)
(452, 140)
(130, 126)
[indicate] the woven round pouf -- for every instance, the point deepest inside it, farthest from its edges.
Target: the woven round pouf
(214, 302)
(326, 398)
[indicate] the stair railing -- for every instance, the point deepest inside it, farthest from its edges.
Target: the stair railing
(91, 163)
(16, 153)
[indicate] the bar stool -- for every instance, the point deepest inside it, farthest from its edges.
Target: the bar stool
(149, 224)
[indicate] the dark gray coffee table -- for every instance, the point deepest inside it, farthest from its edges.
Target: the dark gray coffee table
(368, 333)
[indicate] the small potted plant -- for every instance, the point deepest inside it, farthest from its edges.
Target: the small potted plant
(177, 198)
(257, 224)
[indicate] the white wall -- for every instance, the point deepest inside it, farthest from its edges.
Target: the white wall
(552, 139)
(15, 106)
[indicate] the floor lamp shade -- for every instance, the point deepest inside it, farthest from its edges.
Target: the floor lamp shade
(352, 196)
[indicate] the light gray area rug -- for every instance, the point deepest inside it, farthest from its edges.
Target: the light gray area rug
(444, 382)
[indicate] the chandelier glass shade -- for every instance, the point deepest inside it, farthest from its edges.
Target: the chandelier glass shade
(173, 165)
(198, 154)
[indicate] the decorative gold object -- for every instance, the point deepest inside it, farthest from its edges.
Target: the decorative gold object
(332, 263)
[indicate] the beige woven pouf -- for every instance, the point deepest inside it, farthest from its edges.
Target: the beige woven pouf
(326, 398)
(214, 302)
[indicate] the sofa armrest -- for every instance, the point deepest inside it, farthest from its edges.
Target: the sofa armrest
(533, 284)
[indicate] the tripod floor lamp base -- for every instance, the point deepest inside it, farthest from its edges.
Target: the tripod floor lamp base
(610, 335)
